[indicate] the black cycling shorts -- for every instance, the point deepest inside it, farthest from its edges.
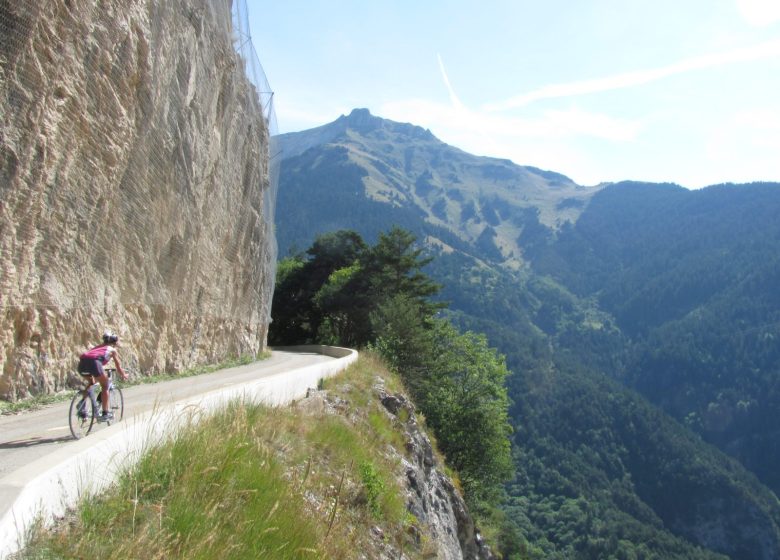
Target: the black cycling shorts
(90, 367)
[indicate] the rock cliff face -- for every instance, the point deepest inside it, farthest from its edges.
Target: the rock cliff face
(430, 495)
(133, 164)
(443, 528)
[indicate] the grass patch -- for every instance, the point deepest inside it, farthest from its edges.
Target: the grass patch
(374, 487)
(35, 402)
(216, 491)
(257, 482)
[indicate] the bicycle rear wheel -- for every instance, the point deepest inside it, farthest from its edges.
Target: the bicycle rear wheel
(81, 416)
(117, 403)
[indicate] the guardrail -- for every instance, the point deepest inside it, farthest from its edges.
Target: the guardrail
(45, 488)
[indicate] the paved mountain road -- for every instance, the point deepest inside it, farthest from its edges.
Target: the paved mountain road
(28, 436)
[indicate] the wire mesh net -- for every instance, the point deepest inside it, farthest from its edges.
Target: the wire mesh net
(136, 187)
(243, 45)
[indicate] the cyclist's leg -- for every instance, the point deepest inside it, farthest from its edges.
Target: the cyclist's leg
(89, 381)
(85, 396)
(104, 394)
(94, 369)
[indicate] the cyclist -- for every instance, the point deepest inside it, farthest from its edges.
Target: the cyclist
(91, 365)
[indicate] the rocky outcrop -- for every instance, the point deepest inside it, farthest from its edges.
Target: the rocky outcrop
(430, 494)
(443, 526)
(133, 164)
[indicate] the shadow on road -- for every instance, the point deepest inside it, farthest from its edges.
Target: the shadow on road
(30, 442)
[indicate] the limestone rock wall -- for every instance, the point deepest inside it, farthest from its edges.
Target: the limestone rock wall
(133, 167)
(430, 494)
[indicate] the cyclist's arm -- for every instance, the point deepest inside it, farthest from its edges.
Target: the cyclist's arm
(115, 356)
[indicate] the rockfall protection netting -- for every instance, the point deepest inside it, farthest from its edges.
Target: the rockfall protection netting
(18, 22)
(137, 187)
(242, 43)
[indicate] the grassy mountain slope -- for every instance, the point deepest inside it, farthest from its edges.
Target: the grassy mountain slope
(578, 286)
(327, 477)
(400, 173)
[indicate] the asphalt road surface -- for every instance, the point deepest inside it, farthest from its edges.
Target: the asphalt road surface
(28, 436)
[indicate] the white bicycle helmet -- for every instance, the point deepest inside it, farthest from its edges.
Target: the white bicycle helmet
(109, 337)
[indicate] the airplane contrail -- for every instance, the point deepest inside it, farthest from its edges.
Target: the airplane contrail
(453, 97)
(769, 49)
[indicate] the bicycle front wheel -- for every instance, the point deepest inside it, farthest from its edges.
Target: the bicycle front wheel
(117, 403)
(81, 416)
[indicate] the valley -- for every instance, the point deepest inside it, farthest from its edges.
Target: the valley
(639, 322)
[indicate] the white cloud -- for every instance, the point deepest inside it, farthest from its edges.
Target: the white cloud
(544, 139)
(749, 136)
(595, 125)
(760, 13)
(768, 49)
(556, 124)
(291, 117)
(760, 119)
(547, 140)
(743, 147)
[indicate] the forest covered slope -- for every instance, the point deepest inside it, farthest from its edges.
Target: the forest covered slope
(639, 322)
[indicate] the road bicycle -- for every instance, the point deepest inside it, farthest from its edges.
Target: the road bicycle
(85, 407)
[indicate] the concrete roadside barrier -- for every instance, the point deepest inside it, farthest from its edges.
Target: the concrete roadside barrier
(47, 487)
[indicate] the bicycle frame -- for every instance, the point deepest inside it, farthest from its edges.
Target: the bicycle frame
(89, 386)
(80, 419)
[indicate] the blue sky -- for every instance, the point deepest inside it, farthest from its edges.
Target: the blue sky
(686, 91)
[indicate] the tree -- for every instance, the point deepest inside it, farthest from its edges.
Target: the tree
(291, 303)
(297, 313)
(394, 266)
(467, 406)
(347, 293)
(404, 337)
(457, 381)
(343, 308)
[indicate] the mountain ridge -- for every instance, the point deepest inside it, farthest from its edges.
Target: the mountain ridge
(618, 290)
(473, 195)
(359, 119)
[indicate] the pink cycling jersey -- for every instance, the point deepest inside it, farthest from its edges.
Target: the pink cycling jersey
(102, 353)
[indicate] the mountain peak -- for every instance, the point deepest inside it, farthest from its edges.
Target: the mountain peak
(359, 115)
(361, 120)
